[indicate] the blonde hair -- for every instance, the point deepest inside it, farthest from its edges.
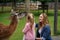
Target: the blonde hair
(30, 18)
(45, 19)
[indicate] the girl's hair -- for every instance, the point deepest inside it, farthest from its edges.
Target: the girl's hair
(30, 18)
(45, 20)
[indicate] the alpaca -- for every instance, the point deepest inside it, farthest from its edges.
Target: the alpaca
(7, 31)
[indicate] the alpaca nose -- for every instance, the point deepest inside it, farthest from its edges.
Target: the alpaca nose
(16, 14)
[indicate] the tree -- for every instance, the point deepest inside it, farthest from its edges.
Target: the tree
(27, 3)
(55, 16)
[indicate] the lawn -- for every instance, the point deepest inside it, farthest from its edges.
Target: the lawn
(18, 35)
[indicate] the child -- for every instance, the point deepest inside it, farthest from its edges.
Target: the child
(29, 29)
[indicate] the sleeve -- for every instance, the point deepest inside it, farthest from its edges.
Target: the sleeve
(26, 28)
(46, 33)
(36, 25)
(43, 38)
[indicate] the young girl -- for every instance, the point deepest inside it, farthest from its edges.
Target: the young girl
(29, 29)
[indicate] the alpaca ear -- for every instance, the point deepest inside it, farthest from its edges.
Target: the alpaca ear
(11, 10)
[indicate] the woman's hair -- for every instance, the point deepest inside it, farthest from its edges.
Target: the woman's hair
(45, 20)
(30, 18)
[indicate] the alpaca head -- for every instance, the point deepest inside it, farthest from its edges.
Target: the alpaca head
(15, 16)
(16, 13)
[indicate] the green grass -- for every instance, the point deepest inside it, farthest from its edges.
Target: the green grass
(18, 35)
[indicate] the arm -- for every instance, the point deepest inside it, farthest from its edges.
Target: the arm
(38, 39)
(46, 32)
(26, 28)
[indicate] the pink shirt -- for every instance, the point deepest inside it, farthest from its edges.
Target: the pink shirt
(29, 34)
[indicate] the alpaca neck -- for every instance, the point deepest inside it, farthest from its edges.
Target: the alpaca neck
(7, 32)
(13, 24)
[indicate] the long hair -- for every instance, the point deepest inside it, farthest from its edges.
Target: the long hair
(45, 20)
(30, 18)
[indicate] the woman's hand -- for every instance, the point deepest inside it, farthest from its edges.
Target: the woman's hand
(38, 39)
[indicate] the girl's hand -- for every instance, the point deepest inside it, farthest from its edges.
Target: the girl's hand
(38, 39)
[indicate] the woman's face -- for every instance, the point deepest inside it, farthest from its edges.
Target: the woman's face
(41, 18)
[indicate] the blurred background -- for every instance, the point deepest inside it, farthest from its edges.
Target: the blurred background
(50, 7)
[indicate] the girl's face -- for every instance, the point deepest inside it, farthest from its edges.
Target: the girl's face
(41, 18)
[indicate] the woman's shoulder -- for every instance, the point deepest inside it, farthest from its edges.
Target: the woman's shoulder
(47, 26)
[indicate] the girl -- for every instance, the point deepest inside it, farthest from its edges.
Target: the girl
(43, 31)
(29, 29)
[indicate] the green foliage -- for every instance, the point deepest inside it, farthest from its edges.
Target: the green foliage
(45, 0)
(21, 0)
(6, 1)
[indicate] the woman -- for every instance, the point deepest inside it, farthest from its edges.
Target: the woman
(43, 31)
(29, 29)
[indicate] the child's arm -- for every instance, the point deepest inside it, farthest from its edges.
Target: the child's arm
(26, 28)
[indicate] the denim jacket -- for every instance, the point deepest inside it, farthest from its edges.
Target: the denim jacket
(45, 33)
